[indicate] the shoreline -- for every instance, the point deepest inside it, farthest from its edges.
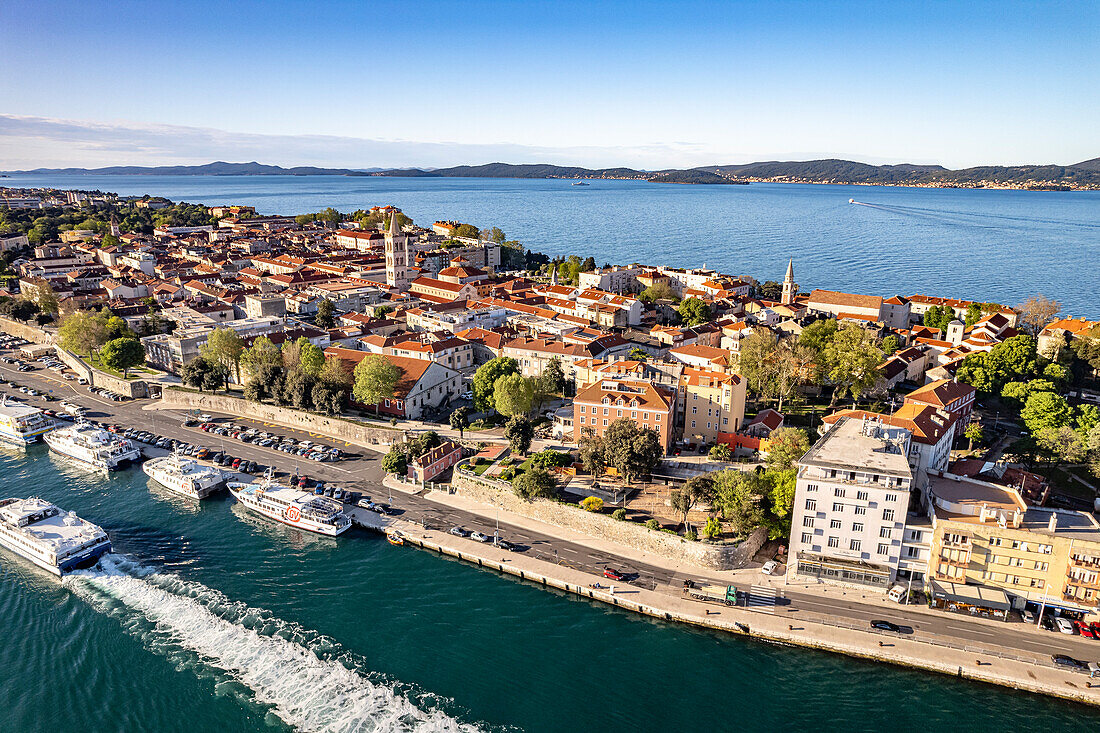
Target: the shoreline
(975, 665)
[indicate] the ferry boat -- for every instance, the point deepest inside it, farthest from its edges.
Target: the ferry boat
(184, 475)
(51, 538)
(93, 447)
(22, 424)
(292, 507)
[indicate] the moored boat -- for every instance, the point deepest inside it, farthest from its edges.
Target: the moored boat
(292, 507)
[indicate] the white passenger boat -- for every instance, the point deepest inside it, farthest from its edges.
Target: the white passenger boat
(51, 538)
(184, 475)
(292, 507)
(22, 424)
(93, 447)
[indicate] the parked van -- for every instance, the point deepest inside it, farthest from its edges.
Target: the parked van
(897, 594)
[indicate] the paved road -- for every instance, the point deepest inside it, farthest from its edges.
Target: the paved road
(362, 472)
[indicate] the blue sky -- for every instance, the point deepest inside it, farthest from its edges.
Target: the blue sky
(633, 83)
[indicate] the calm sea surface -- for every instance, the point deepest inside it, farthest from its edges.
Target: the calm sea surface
(974, 244)
(209, 619)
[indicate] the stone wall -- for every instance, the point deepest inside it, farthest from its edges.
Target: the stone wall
(631, 534)
(25, 331)
(362, 434)
(133, 388)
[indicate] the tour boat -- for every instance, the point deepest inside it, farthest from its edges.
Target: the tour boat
(51, 538)
(93, 446)
(22, 424)
(184, 475)
(292, 507)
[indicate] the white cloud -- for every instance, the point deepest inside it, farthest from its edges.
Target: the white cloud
(34, 142)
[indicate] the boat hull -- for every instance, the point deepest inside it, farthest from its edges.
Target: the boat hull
(328, 530)
(88, 558)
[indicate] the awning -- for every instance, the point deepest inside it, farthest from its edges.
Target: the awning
(972, 595)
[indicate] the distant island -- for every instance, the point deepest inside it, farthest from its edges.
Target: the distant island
(1079, 176)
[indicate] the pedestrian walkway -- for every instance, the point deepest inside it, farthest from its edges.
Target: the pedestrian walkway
(761, 598)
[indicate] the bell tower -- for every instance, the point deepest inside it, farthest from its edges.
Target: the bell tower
(789, 286)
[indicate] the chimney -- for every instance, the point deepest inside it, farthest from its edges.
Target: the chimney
(1052, 525)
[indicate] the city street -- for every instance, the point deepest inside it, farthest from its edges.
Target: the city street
(361, 471)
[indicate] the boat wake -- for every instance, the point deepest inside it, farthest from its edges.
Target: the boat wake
(306, 679)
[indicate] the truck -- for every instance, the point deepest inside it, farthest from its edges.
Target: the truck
(710, 592)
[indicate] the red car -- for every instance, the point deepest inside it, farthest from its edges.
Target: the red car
(1084, 629)
(1095, 628)
(613, 574)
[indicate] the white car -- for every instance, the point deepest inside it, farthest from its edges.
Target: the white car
(1063, 625)
(769, 567)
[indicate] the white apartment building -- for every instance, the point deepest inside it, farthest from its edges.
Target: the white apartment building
(851, 498)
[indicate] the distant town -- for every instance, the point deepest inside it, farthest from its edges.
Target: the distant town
(929, 452)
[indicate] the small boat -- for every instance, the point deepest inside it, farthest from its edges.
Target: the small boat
(395, 538)
(851, 201)
(579, 183)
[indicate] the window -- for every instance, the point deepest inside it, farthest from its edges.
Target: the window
(582, 421)
(834, 524)
(883, 548)
(811, 505)
(1041, 565)
(618, 413)
(605, 422)
(692, 423)
(891, 497)
(807, 538)
(834, 542)
(912, 552)
(838, 492)
(854, 545)
(694, 409)
(838, 507)
(887, 515)
(861, 495)
(857, 526)
(811, 487)
(1044, 549)
(658, 417)
(860, 511)
(885, 532)
(807, 521)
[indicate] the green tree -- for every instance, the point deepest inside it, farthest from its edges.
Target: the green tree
(45, 297)
(266, 382)
(853, 360)
(973, 432)
(890, 345)
(261, 353)
(81, 332)
(1043, 411)
(1016, 393)
(785, 446)
(973, 314)
(739, 501)
(513, 394)
(693, 311)
(466, 230)
(818, 335)
(224, 346)
(519, 432)
(396, 461)
(633, 451)
(326, 311)
(460, 420)
(552, 379)
(336, 373)
(115, 327)
(694, 490)
(720, 452)
(485, 380)
(311, 359)
(657, 291)
(535, 483)
(375, 380)
(123, 354)
(712, 529)
(203, 374)
(591, 454)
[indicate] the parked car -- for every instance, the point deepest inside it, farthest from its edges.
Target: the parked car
(505, 545)
(1084, 629)
(479, 537)
(885, 626)
(458, 532)
(1063, 625)
(613, 574)
(769, 567)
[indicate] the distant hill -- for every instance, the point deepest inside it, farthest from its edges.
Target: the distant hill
(1083, 175)
(218, 168)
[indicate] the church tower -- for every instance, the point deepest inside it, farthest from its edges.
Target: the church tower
(397, 257)
(789, 286)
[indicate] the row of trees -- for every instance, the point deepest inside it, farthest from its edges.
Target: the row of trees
(498, 385)
(100, 333)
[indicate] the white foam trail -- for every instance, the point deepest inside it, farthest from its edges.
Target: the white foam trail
(304, 690)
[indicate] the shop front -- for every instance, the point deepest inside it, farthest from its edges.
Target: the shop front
(843, 571)
(976, 600)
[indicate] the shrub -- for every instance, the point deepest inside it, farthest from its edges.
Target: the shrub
(712, 529)
(690, 535)
(592, 504)
(508, 474)
(653, 524)
(720, 452)
(619, 514)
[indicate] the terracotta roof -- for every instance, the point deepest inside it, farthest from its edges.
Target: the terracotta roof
(940, 393)
(851, 300)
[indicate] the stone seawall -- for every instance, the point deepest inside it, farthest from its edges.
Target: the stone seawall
(365, 435)
(133, 388)
(629, 534)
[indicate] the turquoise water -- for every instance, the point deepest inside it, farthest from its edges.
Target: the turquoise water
(974, 244)
(208, 619)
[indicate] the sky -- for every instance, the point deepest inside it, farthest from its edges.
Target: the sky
(642, 84)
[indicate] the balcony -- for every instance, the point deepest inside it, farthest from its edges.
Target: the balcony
(960, 563)
(1082, 583)
(1068, 595)
(1090, 563)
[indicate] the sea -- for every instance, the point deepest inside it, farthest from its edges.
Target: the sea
(975, 244)
(208, 618)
